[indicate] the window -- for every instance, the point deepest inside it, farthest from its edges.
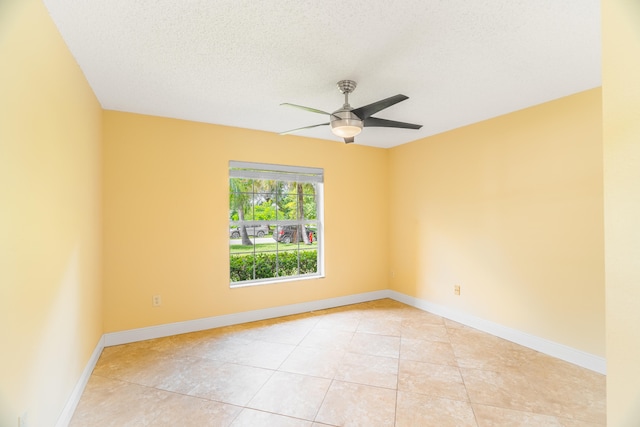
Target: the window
(275, 223)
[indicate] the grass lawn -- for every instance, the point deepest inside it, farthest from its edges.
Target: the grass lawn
(264, 247)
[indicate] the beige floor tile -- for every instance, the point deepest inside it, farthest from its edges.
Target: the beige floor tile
(380, 326)
(287, 333)
(436, 352)
(543, 367)
(350, 309)
(431, 380)
(110, 357)
(491, 416)
(313, 361)
(348, 404)
(253, 418)
(213, 334)
(181, 410)
(137, 365)
(384, 303)
(173, 345)
(110, 402)
(394, 316)
(375, 345)
(421, 410)
(263, 354)
(518, 390)
(328, 339)
(344, 321)
(418, 329)
(234, 384)
(477, 350)
(290, 394)
(370, 370)
(451, 324)
(423, 317)
(290, 331)
(566, 399)
(370, 364)
(222, 346)
(256, 353)
(506, 389)
(565, 422)
(185, 378)
(476, 338)
(388, 309)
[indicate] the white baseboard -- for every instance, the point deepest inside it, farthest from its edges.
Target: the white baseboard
(124, 337)
(560, 351)
(140, 334)
(65, 417)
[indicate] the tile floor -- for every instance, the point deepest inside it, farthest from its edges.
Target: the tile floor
(380, 363)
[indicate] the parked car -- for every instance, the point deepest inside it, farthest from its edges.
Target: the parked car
(286, 233)
(258, 231)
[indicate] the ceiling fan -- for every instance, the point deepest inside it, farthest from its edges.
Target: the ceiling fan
(348, 122)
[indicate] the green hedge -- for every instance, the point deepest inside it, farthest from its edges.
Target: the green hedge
(241, 266)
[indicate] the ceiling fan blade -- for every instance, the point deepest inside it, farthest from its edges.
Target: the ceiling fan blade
(383, 123)
(313, 110)
(369, 110)
(302, 128)
(349, 140)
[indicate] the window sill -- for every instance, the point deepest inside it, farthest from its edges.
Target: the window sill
(275, 281)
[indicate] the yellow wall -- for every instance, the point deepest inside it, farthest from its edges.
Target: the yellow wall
(621, 122)
(50, 291)
(166, 219)
(511, 210)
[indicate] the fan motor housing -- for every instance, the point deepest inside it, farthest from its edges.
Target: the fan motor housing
(345, 124)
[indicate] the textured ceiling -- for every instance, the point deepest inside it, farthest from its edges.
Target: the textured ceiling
(233, 62)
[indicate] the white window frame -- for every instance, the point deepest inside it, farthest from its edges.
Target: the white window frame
(251, 170)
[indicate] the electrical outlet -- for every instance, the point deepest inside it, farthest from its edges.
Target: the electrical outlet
(456, 289)
(156, 301)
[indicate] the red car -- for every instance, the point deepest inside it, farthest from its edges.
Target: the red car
(286, 233)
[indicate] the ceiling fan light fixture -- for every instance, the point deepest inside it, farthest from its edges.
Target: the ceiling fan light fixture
(345, 124)
(346, 129)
